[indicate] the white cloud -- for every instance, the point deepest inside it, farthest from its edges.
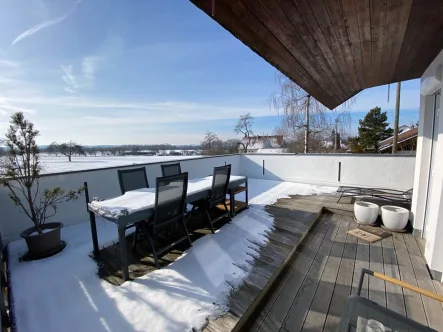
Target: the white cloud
(3, 112)
(88, 67)
(17, 109)
(69, 77)
(7, 63)
(69, 90)
(191, 110)
(43, 25)
(38, 27)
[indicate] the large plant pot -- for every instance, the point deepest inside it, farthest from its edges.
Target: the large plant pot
(43, 245)
(366, 213)
(394, 217)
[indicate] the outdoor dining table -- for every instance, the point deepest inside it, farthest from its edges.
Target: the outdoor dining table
(138, 205)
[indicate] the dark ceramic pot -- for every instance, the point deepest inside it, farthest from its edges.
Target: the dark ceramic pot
(41, 244)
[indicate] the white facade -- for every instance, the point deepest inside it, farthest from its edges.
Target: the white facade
(427, 204)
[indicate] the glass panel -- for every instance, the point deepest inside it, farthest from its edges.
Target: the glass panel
(171, 195)
(220, 182)
(171, 169)
(434, 141)
(133, 179)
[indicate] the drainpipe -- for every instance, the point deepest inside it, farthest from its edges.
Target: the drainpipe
(397, 112)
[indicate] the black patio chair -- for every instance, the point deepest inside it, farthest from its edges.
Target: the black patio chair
(170, 201)
(132, 179)
(171, 169)
(219, 189)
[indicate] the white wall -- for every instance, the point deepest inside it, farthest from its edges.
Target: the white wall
(102, 183)
(384, 171)
(434, 220)
(380, 171)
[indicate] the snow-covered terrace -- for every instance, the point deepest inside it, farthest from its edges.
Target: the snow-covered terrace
(64, 293)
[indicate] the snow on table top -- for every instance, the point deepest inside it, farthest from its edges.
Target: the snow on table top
(142, 199)
(64, 293)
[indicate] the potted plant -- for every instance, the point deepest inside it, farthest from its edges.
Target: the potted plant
(21, 176)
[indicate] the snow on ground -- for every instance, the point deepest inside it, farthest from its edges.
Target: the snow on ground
(63, 292)
(60, 164)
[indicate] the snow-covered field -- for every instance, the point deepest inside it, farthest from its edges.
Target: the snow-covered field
(63, 292)
(53, 164)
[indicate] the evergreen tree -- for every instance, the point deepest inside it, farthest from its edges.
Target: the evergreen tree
(373, 129)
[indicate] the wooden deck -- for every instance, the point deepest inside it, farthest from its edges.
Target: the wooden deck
(311, 291)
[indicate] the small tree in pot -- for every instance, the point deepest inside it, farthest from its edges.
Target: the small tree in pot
(21, 176)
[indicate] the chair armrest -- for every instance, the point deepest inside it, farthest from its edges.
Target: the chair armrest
(397, 282)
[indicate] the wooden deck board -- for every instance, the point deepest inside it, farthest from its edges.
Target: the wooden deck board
(312, 241)
(413, 302)
(394, 294)
(377, 290)
(301, 304)
(343, 283)
(291, 224)
(319, 308)
(433, 309)
(275, 318)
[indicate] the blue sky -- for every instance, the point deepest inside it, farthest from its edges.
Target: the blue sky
(121, 72)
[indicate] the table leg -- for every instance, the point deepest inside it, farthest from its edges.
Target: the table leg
(123, 252)
(231, 202)
(246, 193)
(94, 234)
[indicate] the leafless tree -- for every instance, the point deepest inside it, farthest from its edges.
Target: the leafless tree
(231, 145)
(244, 127)
(303, 113)
(212, 145)
(69, 149)
(53, 148)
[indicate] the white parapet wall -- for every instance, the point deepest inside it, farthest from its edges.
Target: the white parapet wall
(383, 171)
(362, 170)
(102, 183)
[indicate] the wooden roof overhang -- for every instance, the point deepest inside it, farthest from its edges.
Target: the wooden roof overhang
(335, 48)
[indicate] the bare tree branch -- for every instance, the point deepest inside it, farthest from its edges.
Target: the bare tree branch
(291, 102)
(244, 126)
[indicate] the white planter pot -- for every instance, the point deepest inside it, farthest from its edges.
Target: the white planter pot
(394, 217)
(366, 213)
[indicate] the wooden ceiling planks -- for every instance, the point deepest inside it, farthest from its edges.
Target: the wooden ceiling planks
(350, 17)
(423, 36)
(323, 39)
(284, 31)
(335, 48)
(334, 10)
(263, 41)
(325, 60)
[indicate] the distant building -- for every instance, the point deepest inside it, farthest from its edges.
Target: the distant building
(262, 144)
(406, 140)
